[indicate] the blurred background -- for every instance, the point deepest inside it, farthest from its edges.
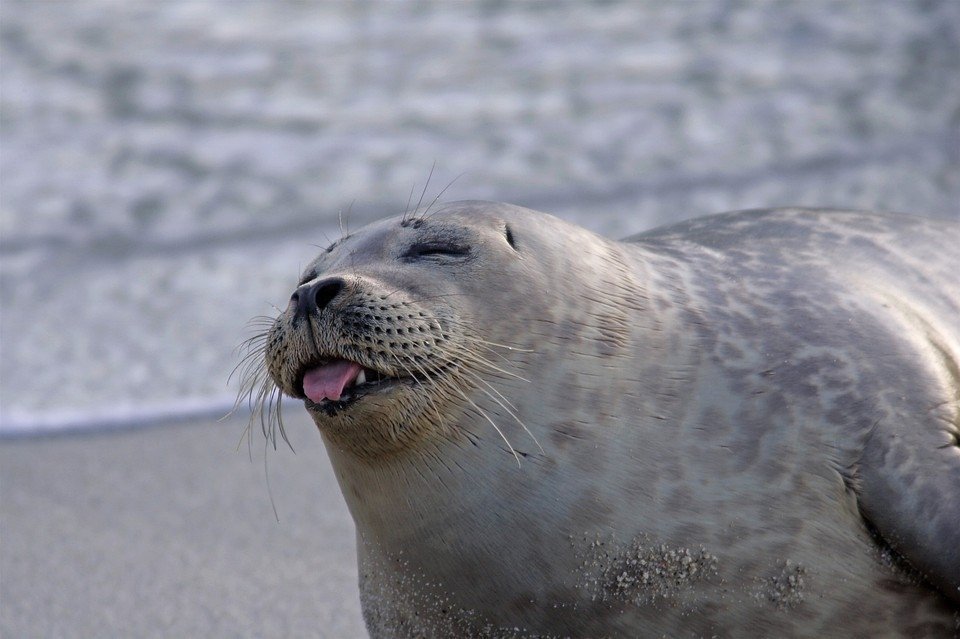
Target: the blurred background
(166, 168)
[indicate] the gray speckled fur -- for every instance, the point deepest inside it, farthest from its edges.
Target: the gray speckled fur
(749, 426)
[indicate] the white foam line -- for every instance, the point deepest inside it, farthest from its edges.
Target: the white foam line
(17, 423)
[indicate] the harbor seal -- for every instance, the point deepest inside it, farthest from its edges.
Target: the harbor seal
(741, 425)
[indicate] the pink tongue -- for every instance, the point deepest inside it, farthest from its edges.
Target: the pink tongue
(328, 382)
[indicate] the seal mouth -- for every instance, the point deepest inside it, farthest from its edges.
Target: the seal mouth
(334, 384)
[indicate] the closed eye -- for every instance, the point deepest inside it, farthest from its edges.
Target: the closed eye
(437, 249)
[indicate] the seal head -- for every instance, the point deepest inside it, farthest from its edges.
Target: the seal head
(381, 338)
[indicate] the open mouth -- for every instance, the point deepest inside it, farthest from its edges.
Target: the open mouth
(337, 383)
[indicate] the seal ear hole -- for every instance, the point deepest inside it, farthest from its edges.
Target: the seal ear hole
(510, 240)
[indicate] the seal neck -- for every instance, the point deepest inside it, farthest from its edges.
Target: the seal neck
(398, 497)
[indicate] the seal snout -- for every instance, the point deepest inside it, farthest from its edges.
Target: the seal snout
(358, 347)
(313, 297)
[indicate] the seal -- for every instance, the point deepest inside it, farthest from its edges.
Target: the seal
(742, 425)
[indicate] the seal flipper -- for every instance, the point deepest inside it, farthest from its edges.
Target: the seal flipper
(910, 491)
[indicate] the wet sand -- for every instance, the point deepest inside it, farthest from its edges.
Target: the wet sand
(169, 531)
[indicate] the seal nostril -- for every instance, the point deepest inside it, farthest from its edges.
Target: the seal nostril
(312, 298)
(327, 291)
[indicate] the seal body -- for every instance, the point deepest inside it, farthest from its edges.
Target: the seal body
(743, 425)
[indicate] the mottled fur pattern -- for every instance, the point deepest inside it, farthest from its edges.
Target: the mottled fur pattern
(744, 425)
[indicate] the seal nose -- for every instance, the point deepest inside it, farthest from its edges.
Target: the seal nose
(314, 297)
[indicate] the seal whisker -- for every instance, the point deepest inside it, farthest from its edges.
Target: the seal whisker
(257, 339)
(266, 474)
(344, 232)
(254, 374)
(278, 419)
(417, 300)
(432, 400)
(247, 390)
(426, 185)
(479, 362)
(275, 418)
(510, 409)
(477, 340)
(264, 403)
(425, 393)
(261, 320)
(249, 378)
(268, 401)
(487, 364)
(251, 364)
(254, 403)
(440, 194)
(267, 410)
(468, 335)
(503, 401)
(245, 434)
(266, 420)
(406, 209)
(251, 343)
(447, 384)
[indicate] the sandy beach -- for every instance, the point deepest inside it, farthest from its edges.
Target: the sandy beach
(169, 531)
